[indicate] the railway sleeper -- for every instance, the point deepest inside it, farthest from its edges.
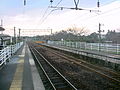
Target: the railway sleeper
(48, 87)
(54, 77)
(60, 85)
(53, 74)
(57, 80)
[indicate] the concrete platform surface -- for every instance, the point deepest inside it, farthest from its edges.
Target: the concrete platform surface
(20, 73)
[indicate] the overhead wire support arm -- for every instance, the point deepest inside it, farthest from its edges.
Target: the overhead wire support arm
(61, 8)
(75, 8)
(76, 4)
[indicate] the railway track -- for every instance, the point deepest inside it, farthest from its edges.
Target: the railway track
(111, 75)
(51, 77)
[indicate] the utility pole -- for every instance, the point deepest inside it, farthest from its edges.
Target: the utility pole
(99, 31)
(1, 23)
(51, 31)
(19, 32)
(15, 39)
(1, 27)
(14, 33)
(51, 34)
(99, 28)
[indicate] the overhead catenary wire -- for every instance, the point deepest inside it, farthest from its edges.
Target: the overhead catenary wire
(76, 4)
(40, 20)
(101, 14)
(58, 3)
(50, 12)
(106, 2)
(46, 16)
(90, 17)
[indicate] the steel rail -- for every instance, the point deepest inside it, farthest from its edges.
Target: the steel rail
(79, 60)
(42, 68)
(67, 82)
(87, 67)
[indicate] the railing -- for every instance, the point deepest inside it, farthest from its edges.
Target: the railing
(8, 51)
(103, 47)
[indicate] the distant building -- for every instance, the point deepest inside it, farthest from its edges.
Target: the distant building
(113, 36)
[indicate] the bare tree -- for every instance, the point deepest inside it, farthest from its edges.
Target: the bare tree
(77, 31)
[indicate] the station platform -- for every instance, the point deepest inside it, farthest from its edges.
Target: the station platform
(113, 58)
(20, 73)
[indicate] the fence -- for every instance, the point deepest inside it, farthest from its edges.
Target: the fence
(103, 47)
(7, 52)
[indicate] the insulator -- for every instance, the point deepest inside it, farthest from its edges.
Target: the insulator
(98, 4)
(51, 1)
(24, 2)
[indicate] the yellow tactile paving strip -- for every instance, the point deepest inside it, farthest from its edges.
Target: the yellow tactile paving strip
(18, 77)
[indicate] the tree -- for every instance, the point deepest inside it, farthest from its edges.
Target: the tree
(93, 37)
(77, 31)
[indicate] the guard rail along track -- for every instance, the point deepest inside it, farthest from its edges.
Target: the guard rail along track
(56, 80)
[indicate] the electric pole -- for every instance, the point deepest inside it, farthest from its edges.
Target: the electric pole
(99, 31)
(51, 31)
(1, 23)
(15, 39)
(14, 33)
(99, 28)
(19, 32)
(1, 27)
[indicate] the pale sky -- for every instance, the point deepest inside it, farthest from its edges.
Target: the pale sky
(33, 16)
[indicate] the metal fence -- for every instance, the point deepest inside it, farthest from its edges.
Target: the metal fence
(7, 52)
(103, 47)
